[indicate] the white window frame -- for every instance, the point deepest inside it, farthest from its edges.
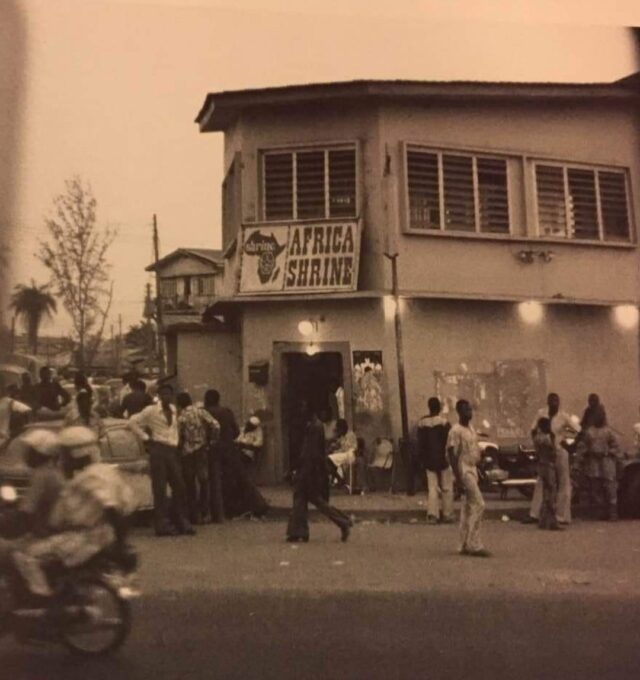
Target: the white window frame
(569, 237)
(466, 153)
(301, 148)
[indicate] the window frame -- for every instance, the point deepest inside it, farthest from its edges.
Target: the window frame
(474, 155)
(596, 168)
(308, 147)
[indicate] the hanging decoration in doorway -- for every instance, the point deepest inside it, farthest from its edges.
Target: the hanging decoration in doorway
(367, 380)
(296, 258)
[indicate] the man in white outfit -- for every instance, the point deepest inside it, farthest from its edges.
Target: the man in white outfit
(562, 425)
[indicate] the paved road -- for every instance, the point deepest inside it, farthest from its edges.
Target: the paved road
(395, 602)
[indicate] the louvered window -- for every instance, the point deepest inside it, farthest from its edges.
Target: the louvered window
(457, 192)
(582, 203)
(310, 184)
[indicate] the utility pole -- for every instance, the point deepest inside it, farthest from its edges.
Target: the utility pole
(404, 417)
(119, 343)
(156, 254)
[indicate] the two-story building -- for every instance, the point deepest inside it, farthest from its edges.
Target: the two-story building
(511, 210)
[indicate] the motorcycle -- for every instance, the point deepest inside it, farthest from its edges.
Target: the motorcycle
(89, 612)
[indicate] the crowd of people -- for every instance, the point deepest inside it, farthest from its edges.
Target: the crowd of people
(200, 455)
(449, 454)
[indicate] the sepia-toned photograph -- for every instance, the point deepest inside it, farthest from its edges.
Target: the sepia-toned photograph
(319, 340)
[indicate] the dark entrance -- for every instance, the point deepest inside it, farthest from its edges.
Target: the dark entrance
(306, 381)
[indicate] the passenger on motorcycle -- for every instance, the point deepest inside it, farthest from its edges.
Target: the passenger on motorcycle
(86, 517)
(30, 518)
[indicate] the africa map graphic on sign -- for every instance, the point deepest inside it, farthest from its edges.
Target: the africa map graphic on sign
(266, 249)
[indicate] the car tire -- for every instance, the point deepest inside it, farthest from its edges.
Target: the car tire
(629, 495)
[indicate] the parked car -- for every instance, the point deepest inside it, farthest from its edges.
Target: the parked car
(121, 447)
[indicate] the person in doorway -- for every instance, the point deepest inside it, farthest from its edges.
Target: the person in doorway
(562, 425)
(83, 414)
(158, 426)
(136, 400)
(545, 444)
(433, 431)
(342, 451)
(250, 441)
(309, 486)
(49, 395)
(9, 408)
(464, 456)
(199, 431)
(599, 451)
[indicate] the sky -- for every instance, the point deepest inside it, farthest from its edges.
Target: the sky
(111, 89)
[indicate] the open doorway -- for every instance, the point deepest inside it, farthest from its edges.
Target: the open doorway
(307, 380)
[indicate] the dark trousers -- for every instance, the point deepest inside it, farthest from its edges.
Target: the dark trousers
(549, 477)
(164, 466)
(195, 470)
(239, 492)
(303, 494)
(215, 485)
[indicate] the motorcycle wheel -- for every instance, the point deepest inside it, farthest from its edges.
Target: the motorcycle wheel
(102, 622)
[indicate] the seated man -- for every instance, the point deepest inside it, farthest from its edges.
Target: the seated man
(86, 516)
(342, 451)
(250, 440)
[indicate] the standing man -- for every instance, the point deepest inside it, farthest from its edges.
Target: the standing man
(220, 452)
(310, 482)
(464, 454)
(433, 431)
(198, 433)
(161, 424)
(27, 392)
(49, 394)
(562, 425)
(136, 400)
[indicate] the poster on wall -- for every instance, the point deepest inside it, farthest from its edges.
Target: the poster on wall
(477, 388)
(296, 258)
(521, 391)
(367, 381)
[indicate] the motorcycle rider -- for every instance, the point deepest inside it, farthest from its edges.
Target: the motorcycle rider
(87, 516)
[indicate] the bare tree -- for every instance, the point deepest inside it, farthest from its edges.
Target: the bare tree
(76, 256)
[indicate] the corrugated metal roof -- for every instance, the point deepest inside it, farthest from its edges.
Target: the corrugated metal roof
(220, 108)
(209, 254)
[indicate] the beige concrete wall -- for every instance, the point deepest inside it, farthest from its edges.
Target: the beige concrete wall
(210, 360)
(360, 323)
(587, 133)
(581, 133)
(583, 349)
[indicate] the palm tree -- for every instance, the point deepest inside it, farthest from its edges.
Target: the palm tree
(31, 304)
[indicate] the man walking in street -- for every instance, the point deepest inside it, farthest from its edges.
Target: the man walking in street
(562, 425)
(310, 481)
(198, 433)
(433, 431)
(464, 454)
(136, 400)
(161, 422)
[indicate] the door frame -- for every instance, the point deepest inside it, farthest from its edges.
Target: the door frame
(279, 350)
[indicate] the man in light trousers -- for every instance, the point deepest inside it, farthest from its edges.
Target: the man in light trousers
(562, 425)
(464, 453)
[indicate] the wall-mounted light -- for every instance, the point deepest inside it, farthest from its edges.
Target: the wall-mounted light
(546, 255)
(626, 316)
(525, 256)
(529, 256)
(308, 326)
(531, 311)
(311, 349)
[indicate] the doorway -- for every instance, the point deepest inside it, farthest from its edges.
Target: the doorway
(295, 372)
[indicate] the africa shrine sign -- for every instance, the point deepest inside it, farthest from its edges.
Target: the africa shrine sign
(296, 258)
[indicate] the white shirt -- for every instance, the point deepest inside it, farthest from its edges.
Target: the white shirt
(7, 407)
(153, 418)
(561, 424)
